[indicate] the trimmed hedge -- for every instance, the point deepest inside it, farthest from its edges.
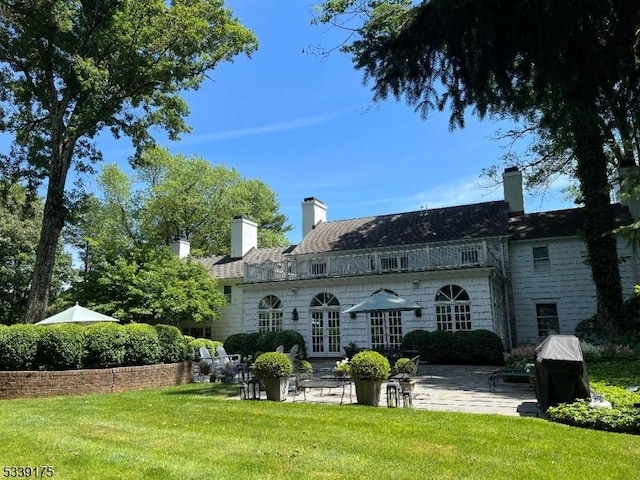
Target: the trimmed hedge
(61, 347)
(18, 347)
(272, 365)
(256, 343)
(104, 345)
(369, 365)
(142, 345)
(469, 347)
(173, 346)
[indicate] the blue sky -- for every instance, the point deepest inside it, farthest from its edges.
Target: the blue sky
(306, 126)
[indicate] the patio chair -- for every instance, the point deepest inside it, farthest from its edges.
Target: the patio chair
(230, 364)
(280, 349)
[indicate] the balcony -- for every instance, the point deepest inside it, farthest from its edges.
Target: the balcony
(417, 260)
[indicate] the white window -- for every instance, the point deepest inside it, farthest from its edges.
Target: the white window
(541, 261)
(270, 314)
(453, 309)
(319, 268)
(394, 261)
(547, 318)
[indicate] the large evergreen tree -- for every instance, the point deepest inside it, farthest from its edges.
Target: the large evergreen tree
(569, 64)
(69, 69)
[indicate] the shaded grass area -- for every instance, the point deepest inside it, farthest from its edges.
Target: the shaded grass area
(196, 432)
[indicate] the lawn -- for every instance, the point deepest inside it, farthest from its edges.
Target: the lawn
(195, 432)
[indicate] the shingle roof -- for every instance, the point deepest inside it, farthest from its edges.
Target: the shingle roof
(557, 223)
(227, 267)
(436, 225)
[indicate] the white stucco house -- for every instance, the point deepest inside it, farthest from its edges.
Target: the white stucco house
(481, 266)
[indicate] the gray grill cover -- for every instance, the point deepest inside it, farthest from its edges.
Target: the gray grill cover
(561, 373)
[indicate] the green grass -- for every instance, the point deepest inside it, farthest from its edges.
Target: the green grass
(195, 432)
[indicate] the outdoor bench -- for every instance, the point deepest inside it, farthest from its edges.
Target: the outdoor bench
(504, 373)
(325, 381)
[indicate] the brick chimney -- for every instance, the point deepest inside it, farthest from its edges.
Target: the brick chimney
(244, 236)
(512, 184)
(313, 212)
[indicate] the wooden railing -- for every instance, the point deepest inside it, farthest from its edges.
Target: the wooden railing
(415, 260)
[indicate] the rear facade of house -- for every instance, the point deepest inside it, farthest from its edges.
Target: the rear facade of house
(480, 266)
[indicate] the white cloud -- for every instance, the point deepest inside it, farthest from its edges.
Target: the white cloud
(275, 127)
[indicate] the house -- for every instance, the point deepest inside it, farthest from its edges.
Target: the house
(480, 266)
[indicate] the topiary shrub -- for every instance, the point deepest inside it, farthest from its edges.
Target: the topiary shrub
(477, 347)
(405, 365)
(142, 345)
(173, 346)
(104, 345)
(240, 343)
(19, 346)
(272, 365)
(267, 342)
(369, 365)
(289, 338)
(61, 347)
(440, 347)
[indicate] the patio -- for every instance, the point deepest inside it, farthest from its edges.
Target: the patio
(451, 388)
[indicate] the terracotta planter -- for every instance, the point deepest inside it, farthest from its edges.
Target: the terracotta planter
(276, 388)
(368, 392)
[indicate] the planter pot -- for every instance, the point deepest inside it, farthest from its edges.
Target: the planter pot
(368, 392)
(408, 385)
(276, 388)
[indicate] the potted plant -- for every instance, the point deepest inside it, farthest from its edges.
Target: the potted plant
(369, 369)
(409, 368)
(342, 368)
(204, 369)
(274, 368)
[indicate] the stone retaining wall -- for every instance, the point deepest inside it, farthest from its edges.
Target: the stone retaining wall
(107, 380)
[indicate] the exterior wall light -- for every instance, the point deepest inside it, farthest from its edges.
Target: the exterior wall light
(294, 315)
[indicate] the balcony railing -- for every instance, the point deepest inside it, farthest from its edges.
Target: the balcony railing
(416, 260)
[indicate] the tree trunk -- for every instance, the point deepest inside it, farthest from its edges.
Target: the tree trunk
(53, 220)
(598, 218)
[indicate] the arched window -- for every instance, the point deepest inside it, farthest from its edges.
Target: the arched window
(270, 314)
(325, 324)
(453, 309)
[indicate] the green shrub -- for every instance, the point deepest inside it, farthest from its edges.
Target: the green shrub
(405, 365)
(272, 365)
(289, 338)
(104, 345)
(173, 346)
(477, 347)
(440, 348)
(369, 365)
(579, 414)
(197, 343)
(416, 340)
(61, 347)
(241, 343)
(142, 345)
(19, 346)
(267, 342)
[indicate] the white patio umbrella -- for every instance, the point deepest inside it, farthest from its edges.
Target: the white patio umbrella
(382, 301)
(76, 314)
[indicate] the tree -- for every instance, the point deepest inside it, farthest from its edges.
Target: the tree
(180, 196)
(20, 217)
(70, 69)
(570, 65)
(150, 285)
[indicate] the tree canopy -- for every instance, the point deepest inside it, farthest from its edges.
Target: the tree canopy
(70, 69)
(572, 66)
